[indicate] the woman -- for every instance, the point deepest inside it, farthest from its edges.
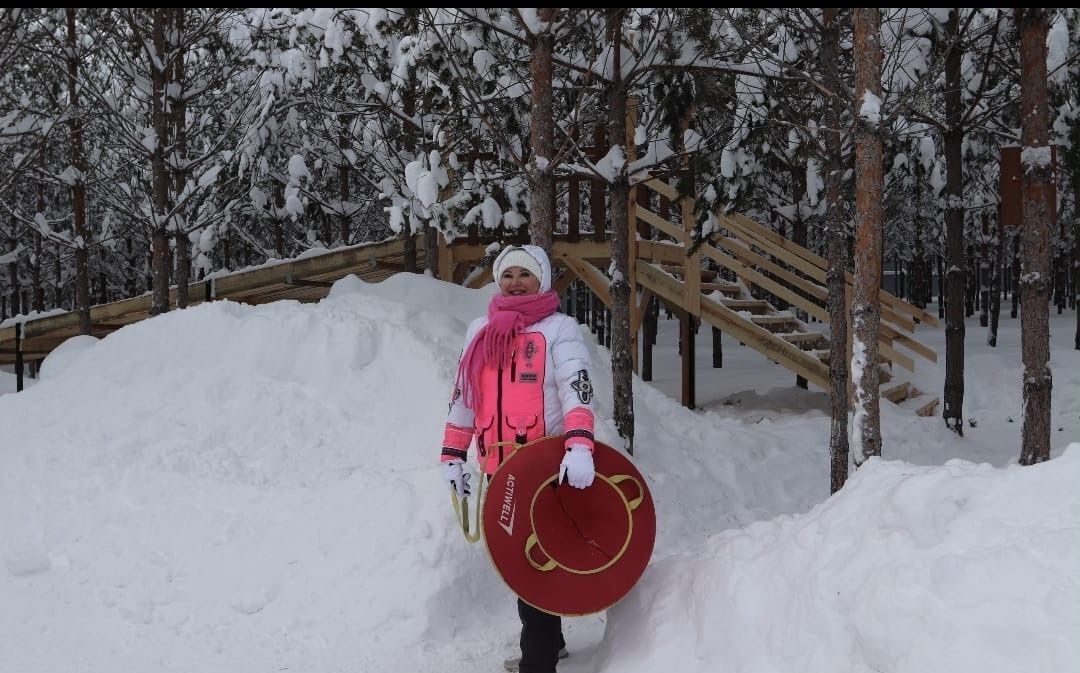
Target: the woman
(524, 374)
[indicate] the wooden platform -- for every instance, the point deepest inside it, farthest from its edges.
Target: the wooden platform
(308, 279)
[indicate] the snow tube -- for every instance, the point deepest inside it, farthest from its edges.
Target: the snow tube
(565, 550)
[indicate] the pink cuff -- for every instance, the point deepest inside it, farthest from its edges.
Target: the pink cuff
(456, 442)
(578, 428)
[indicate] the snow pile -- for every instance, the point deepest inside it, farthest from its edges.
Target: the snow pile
(963, 567)
(232, 488)
(64, 354)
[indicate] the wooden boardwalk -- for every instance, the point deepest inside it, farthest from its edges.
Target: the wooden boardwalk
(306, 279)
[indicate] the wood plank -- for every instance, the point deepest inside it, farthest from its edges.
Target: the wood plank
(665, 227)
(563, 281)
(646, 296)
(928, 408)
(483, 278)
(897, 392)
(917, 346)
(596, 281)
(749, 305)
(661, 251)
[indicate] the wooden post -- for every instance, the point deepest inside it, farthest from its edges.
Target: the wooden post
(19, 356)
(446, 260)
(717, 349)
(648, 339)
(686, 338)
(581, 303)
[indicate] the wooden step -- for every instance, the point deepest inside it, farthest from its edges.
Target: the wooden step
(922, 404)
(807, 341)
(729, 289)
(707, 275)
(776, 323)
(755, 306)
(928, 408)
(884, 375)
(897, 393)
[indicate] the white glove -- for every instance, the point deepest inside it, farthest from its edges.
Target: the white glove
(577, 467)
(454, 472)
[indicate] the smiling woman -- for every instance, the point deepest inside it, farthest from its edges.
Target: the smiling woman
(518, 272)
(523, 375)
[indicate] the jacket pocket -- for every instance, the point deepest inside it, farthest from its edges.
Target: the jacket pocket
(523, 426)
(485, 433)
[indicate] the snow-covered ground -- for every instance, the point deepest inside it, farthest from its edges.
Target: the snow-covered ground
(233, 488)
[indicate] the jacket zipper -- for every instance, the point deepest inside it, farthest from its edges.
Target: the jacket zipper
(499, 413)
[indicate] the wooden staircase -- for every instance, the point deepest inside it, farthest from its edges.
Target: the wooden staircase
(759, 257)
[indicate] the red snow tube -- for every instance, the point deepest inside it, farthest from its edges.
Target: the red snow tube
(565, 550)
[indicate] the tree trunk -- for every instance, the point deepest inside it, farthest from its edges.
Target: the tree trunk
(131, 284)
(956, 276)
(798, 237)
(619, 199)
(160, 175)
(1076, 254)
(542, 134)
(178, 164)
(1015, 254)
(13, 274)
(408, 103)
(838, 319)
(78, 188)
(58, 288)
(919, 266)
(941, 287)
(995, 284)
(1038, 215)
(343, 180)
(279, 220)
(866, 308)
(984, 272)
(39, 289)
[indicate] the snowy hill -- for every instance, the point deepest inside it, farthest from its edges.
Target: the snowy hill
(233, 488)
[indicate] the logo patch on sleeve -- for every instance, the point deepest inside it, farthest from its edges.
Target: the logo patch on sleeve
(583, 387)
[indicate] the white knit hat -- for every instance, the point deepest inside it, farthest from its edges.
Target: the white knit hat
(527, 257)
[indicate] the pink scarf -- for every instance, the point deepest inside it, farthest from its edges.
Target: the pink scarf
(508, 315)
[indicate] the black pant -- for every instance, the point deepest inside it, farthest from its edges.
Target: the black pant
(541, 639)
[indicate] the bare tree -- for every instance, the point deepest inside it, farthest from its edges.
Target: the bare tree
(1035, 278)
(160, 125)
(541, 171)
(78, 184)
(836, 278)
(619, 196)
(956, 275)
(868, 215)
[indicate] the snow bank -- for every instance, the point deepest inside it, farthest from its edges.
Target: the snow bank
(963, 567)
(232, 488)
